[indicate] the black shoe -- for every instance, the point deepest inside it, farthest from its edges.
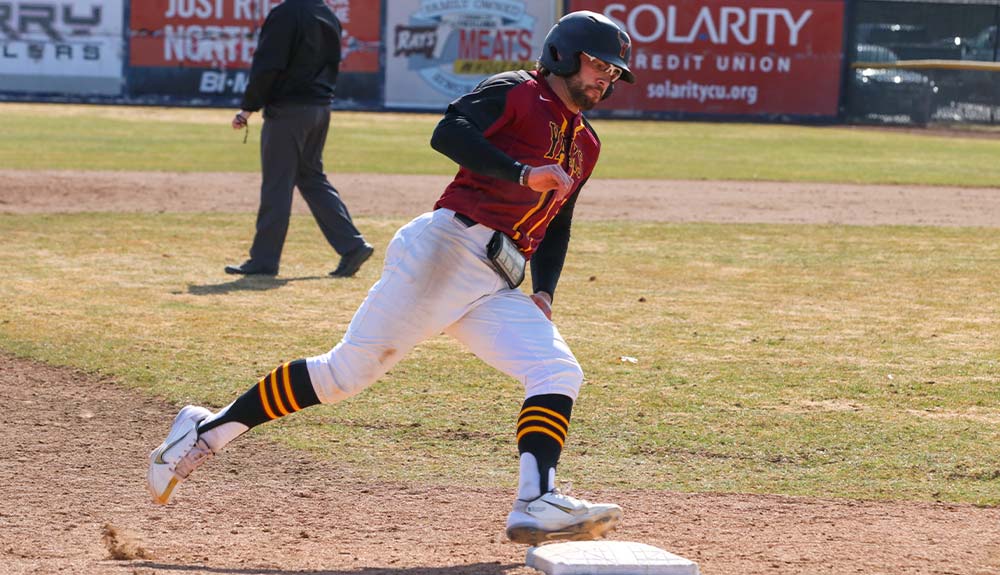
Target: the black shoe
(351, 262)
(251, 268)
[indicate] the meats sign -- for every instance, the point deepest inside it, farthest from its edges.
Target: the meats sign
(723, 57)
(437, 50)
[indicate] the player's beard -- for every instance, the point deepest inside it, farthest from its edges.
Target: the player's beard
(581, 93)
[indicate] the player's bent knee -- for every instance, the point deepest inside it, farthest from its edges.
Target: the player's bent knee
(344, 371)
(562, 376)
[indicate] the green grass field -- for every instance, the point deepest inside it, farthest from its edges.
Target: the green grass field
(857, 362)
(36, 136)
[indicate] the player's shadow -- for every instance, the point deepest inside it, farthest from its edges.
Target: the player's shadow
(248, 283)
(494, 568)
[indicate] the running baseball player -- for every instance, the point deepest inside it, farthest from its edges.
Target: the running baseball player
(525, 150)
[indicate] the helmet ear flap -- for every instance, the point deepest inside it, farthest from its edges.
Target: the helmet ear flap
(559, 65)
(553, 52)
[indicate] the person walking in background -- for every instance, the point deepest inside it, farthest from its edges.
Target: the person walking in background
(524, 151)
(293, 75)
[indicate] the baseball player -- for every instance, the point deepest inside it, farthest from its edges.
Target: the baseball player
(293, 76)
(524, 150)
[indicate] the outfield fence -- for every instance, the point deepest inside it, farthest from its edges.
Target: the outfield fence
(776, 60)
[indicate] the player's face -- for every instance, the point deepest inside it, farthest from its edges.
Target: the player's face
(587, 86)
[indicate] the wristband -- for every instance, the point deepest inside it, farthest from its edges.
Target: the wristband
(523, 178)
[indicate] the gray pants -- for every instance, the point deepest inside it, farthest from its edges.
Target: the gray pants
(291, 155)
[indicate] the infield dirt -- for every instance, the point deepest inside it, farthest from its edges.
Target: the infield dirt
(73, 455)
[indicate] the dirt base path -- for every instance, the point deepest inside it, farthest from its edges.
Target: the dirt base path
(73, 459)
(73, 453)
(407, 196)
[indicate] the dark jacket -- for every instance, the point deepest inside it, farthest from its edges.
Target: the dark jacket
(297, 57)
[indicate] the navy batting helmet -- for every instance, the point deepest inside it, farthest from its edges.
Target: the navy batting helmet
(589, 32)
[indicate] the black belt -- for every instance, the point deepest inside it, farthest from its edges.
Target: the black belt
(469, 222)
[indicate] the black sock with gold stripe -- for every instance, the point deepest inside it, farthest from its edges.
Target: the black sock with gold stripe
(285, 390)
(541, 431)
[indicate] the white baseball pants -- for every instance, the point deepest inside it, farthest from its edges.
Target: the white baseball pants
(437, 279)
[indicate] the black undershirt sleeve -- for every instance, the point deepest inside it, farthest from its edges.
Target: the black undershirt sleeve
(463, 142)
(547, 261)
(459, 135)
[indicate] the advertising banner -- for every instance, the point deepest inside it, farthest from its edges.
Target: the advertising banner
(202, 49)
(64, 47)
(437, 50)
(729, 57)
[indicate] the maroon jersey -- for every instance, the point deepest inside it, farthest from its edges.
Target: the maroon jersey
(519, 114)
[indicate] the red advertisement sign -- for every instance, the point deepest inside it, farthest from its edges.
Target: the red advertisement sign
(222, 34)
(729, 57)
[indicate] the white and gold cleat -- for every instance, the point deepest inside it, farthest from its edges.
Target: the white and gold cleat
(179, 454)
(558, 517)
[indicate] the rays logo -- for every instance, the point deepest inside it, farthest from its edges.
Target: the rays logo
(454, 45)
(413, 40)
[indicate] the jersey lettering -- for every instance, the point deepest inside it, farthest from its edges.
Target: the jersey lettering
(576, 156)
(555, 146)
(576, 162)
